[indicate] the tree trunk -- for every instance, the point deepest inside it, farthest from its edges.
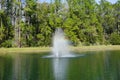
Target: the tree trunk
(17, 18)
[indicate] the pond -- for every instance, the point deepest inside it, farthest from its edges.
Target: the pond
(102, 65)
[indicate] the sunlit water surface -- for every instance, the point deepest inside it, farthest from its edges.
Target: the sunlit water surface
(92, 66)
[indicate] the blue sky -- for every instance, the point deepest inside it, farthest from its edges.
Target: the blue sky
(112, 1)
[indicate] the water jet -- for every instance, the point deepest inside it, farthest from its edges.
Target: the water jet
(60, 47)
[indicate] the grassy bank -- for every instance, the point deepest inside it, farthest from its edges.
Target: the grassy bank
(47, 49)
(25, 50)
(96, 48)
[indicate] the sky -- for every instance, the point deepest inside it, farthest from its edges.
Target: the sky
(112, 1)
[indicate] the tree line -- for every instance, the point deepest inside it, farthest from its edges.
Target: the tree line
(30, 23)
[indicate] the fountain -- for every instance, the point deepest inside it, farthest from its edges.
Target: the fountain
(60, 47)
(60, 44)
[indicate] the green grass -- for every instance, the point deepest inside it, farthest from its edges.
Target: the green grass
(25, 50)
(48, 49)
(96, 48)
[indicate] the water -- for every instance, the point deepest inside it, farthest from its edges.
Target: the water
(93, 66)
(60, 47)
(60, 44)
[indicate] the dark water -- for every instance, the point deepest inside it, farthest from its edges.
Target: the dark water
(92, 66)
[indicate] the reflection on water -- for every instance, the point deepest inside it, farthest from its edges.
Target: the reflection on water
(60, 67)
(16, 67)
(96, 66)
(6, 67)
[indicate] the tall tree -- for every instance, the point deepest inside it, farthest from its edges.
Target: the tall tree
(16, 22)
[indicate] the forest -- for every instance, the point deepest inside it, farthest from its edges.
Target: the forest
(30, 23)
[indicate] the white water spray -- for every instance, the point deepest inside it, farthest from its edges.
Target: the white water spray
(60, 44)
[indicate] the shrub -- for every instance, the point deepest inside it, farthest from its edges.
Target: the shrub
(7, 43)
(115, 38)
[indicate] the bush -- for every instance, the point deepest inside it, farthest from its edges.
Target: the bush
(115, 38)
(7, 43)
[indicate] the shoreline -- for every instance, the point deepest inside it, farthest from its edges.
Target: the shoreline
(25, 50)
(97, 48)
(48, 49)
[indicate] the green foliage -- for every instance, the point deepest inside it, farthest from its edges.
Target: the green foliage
(115, 38)
(7, 43)
(84, 22)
